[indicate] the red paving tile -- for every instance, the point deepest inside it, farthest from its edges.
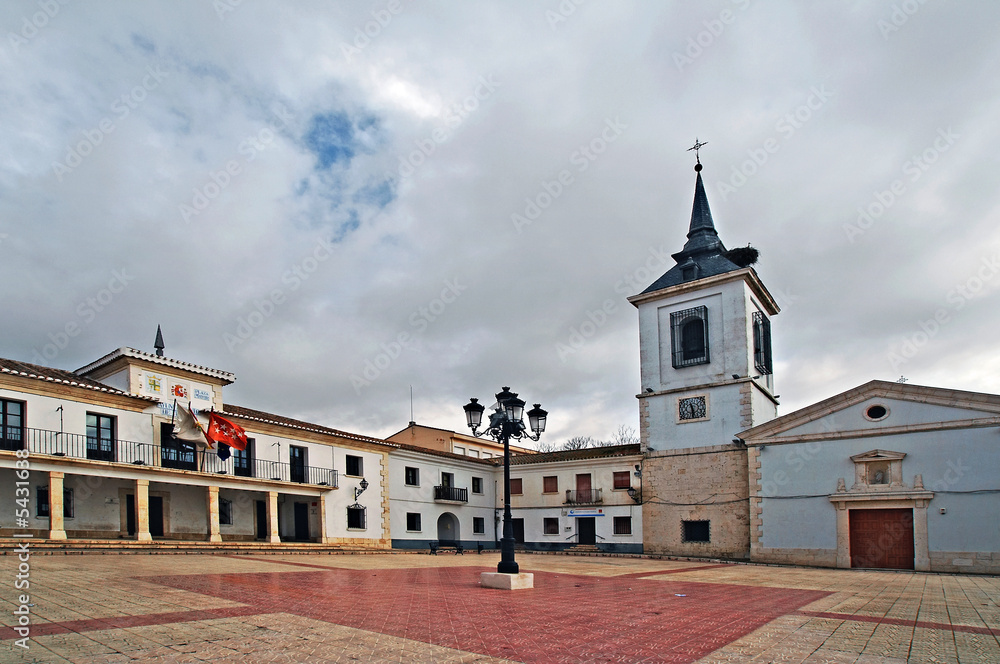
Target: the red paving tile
(565, 617)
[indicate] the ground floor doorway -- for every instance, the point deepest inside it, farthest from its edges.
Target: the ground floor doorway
(881, 538)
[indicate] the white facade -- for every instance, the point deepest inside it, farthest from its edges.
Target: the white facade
(570, 498)
(105, 456)
(884, 475)
(440, 497)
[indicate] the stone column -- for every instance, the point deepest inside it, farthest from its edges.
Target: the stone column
(272, 517)
(142, 511)
(212, 508)
(57, 530)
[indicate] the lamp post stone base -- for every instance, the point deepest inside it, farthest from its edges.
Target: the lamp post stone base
(507, 581)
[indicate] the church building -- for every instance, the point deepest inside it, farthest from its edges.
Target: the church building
(886, 475)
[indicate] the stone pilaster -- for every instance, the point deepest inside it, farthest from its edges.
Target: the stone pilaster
(272, 517)
(57, 528)
(212, 508)
(142, 511)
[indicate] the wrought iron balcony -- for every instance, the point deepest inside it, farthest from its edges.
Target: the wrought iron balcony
(583, 497)
(451, 493)
(178, 455)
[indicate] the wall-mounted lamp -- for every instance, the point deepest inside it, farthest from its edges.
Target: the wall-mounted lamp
(358, 492)
(634, 495)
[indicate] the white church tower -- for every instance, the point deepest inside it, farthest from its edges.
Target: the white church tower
(706, 374)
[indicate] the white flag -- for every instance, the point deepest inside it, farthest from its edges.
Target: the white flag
(187, 427)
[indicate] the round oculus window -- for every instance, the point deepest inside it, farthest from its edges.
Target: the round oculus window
(877, 412)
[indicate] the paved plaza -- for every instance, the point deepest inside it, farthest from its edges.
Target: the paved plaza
(420, 608)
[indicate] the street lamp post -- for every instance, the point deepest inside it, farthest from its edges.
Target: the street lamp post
(506, 422)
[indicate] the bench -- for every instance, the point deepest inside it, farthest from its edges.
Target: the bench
(447, 544)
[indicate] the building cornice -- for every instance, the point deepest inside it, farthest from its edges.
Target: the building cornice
(124, 354)
(746, 274)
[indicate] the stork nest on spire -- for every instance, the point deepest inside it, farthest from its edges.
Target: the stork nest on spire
(743, 256)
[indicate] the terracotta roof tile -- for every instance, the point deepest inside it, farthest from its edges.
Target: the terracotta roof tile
(51, 375)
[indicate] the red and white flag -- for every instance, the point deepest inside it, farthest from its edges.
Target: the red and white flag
(221, 430)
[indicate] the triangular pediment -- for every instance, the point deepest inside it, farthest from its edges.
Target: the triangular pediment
(878, 455)
(880, 408)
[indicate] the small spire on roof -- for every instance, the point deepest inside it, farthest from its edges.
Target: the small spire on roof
(158, 344)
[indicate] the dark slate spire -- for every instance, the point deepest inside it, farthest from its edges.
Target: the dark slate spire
(158, 344)
(703, 254)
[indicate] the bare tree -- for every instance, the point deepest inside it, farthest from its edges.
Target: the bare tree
(579, 443)
(624, 435)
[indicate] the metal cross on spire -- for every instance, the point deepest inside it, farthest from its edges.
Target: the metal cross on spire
(697, 146)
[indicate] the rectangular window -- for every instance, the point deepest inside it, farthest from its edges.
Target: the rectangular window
(297, 463)
(623, 525)
(550, 484)
(355, 517)
(695, 531)
(411, 476)
(478, 525)
(622, 479)
(69, 507)
(448, 479)
(100, 437)
(550, 525)
(174, 452)
(515, 486)
(11, 425)
(477, 485)
(413, 521)
(225, 512)
(474, 453)
(762, 343)
(243, 464)
(42, 502)
(459, 450)
(355, 468)
(689, 337)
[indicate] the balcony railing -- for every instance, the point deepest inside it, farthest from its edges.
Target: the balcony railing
(451, 493)
(583, 496)
(182, 456)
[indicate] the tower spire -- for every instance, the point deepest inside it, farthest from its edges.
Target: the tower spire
(158, 344)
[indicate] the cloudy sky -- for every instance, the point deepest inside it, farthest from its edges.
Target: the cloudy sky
(338, 201)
